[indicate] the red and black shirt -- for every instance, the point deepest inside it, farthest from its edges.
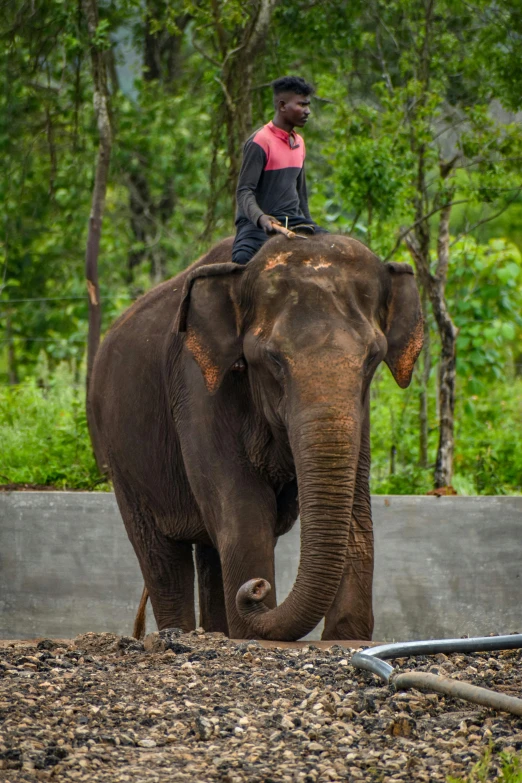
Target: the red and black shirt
(272, 177)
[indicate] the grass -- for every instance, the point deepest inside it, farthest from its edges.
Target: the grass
(43, 432)
(504, 768)
(488, 438)
(44, 437)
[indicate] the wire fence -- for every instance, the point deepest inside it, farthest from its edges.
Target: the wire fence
(83, 298)
(6, 304)
(14, 337)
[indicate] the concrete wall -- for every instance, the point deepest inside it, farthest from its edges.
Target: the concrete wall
(444, 566)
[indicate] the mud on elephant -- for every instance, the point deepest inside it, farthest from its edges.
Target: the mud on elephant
(230, 399)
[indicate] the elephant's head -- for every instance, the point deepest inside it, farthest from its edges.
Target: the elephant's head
(307, 323)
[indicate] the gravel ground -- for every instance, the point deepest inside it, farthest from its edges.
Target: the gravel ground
(199, 707)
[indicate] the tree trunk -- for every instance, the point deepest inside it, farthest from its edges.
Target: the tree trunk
(161, 64)
(393, 454)
(101, 102)
(236, 61)
(418, 244)
(419, 247)
(423, 398)
(447, 374)
(447, 371)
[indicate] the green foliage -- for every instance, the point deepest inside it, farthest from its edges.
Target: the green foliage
(101, 39)
(371, 174)
(485, 296)
(411, 86)
(504, 768)
(376, 108)
(488, 438)
(44, 432)
(45, 440)
(48, 141)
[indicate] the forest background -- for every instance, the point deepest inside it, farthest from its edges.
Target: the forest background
(414, 147)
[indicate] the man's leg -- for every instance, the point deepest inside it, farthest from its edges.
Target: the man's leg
(247, 242)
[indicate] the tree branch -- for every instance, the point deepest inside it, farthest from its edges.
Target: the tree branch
(443, 246)
(414, 249)
(354, 223)
(222, 42)
(228, 97)
(102, 112)
(406, 231)
(260, 26)
(488, 218)
(205, 55)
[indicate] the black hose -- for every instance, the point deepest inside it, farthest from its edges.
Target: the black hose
(372, 660)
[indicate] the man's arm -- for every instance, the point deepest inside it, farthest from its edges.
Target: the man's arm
(303, 196)
(254, 160)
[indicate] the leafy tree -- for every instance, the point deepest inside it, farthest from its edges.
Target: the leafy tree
(422, 140)
(412, 145)
(485, 295)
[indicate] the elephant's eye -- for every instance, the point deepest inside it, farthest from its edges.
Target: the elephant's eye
(239, 366)
(373, 354)
(276, 364)
(275, 359)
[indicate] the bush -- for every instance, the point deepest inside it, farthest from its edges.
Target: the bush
(45, 440)
(43, 431)
(488, 438)
(501, 768)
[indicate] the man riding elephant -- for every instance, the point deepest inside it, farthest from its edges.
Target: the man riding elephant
(232, 398)
(271, 190)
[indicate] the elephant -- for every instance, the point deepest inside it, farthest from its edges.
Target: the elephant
(231, 399)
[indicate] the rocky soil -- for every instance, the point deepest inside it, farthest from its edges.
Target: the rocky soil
(199, 707)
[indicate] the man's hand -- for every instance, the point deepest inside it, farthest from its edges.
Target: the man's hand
(268, 224)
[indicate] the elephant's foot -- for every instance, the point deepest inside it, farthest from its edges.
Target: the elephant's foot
(344, 628)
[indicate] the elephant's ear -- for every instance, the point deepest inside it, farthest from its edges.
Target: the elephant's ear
(404, 325)
(208, 318)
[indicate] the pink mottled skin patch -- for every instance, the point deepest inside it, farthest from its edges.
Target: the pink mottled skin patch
(321, 263)
(202, 356)
(278, 260)
(404, 367)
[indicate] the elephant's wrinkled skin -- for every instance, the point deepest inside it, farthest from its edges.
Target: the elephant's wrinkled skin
(230, 397)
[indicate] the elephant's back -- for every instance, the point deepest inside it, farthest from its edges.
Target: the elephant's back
(156, 309)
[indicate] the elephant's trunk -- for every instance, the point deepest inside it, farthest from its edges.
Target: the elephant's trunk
(325, 444)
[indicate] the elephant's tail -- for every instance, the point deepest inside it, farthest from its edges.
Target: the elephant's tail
(139, 623)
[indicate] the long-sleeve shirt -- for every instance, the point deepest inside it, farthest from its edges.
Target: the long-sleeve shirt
(272, 177)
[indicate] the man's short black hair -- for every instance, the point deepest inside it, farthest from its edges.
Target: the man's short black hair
(293, 84)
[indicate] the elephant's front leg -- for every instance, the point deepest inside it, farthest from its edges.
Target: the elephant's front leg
(239, 511)
(246, 543)
(237, 506)
(351, 615)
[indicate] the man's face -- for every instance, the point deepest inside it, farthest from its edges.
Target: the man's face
(294, 108)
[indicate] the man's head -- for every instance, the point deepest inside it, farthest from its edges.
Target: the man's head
(292, 101)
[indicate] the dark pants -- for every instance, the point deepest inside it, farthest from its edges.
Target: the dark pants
(249, 238)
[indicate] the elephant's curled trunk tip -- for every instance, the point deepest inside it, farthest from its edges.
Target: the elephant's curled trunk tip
(250, 597)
